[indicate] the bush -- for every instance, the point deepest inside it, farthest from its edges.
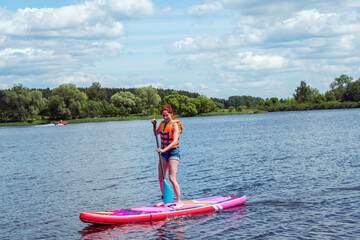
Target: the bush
(239, 109)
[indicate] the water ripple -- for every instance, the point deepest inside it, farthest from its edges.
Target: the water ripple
(299, 171)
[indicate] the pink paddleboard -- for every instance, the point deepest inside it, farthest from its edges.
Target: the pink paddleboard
(150, 213)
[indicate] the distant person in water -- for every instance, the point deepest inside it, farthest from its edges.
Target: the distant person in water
(169, 130)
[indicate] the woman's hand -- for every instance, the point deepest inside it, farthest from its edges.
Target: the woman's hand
(159, 150)
(153, 121)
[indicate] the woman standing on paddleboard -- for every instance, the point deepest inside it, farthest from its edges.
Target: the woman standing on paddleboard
(169, 130)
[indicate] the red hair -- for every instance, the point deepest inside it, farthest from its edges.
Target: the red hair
(168, 109)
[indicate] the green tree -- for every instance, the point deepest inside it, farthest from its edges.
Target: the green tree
(20, 104)
(352, 92)
(330, 96)
(204, 104)
(181, 104)
(125, 100)
(241, 101)
(272, 101)
(339, 85)
(292, 102)
(235, 101)
(261, 103)
(220, 102)
(239, 109)
(110, 110)
(317, 97)
(341, 82)
(166, 92)
(148, 99)
(231, 108)
(94, 108)
(304, 93)
(57, 108)
(95, 92)
(67, 102)
(248, 104)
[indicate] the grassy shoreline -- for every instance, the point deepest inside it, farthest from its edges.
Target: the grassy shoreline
(127, 118)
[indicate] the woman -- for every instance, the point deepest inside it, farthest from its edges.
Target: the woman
(169, 130)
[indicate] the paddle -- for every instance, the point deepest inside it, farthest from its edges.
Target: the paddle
(168, 193)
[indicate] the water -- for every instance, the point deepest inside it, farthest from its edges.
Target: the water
(300, 172)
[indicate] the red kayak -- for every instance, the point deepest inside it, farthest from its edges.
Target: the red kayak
(61, 123)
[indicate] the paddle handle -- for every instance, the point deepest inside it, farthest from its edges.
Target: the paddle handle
(157, 143)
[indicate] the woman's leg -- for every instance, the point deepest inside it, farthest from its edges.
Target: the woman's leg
(161, 178)
(173, 166)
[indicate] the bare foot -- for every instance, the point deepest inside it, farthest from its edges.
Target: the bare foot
(178, 205)
(160, 204)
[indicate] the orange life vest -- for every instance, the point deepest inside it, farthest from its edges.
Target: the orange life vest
(167, 133)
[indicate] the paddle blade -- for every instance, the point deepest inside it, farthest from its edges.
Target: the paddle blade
(168, 193)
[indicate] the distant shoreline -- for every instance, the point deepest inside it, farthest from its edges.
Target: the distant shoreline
(127, 118)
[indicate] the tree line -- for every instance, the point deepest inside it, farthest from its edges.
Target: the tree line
(21, 104)
(344, 93)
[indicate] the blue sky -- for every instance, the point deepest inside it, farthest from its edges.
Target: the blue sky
(216, 48)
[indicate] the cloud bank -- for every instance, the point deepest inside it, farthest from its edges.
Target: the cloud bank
(219, 48)
(52, 40)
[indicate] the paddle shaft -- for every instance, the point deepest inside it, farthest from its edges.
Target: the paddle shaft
(157, 143)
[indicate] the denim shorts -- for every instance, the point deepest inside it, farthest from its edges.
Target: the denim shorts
(173, 154)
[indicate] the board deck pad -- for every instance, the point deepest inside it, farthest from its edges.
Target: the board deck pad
(150, 213)
(187, 204)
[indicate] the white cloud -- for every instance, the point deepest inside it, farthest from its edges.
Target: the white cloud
(258, 83)
(210, 42)
(240, 61)
(205, 9)
(252, 32)
(164, 11)
(154, 85)
(199, 88)
(67, 56)
(4, 86)
(251, 61)
(196, 60)
(127, 8)
(308, 24)
(310, 21)
(21, 61)
(347, 42)
(203, 86)
(77, 78)
(325, 67)
(247, 84)
(189, 85)
(93, 19)
(276, 9)
(62, 40)
(53, 80)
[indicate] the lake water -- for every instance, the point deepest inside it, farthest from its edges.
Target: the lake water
(300, 172)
